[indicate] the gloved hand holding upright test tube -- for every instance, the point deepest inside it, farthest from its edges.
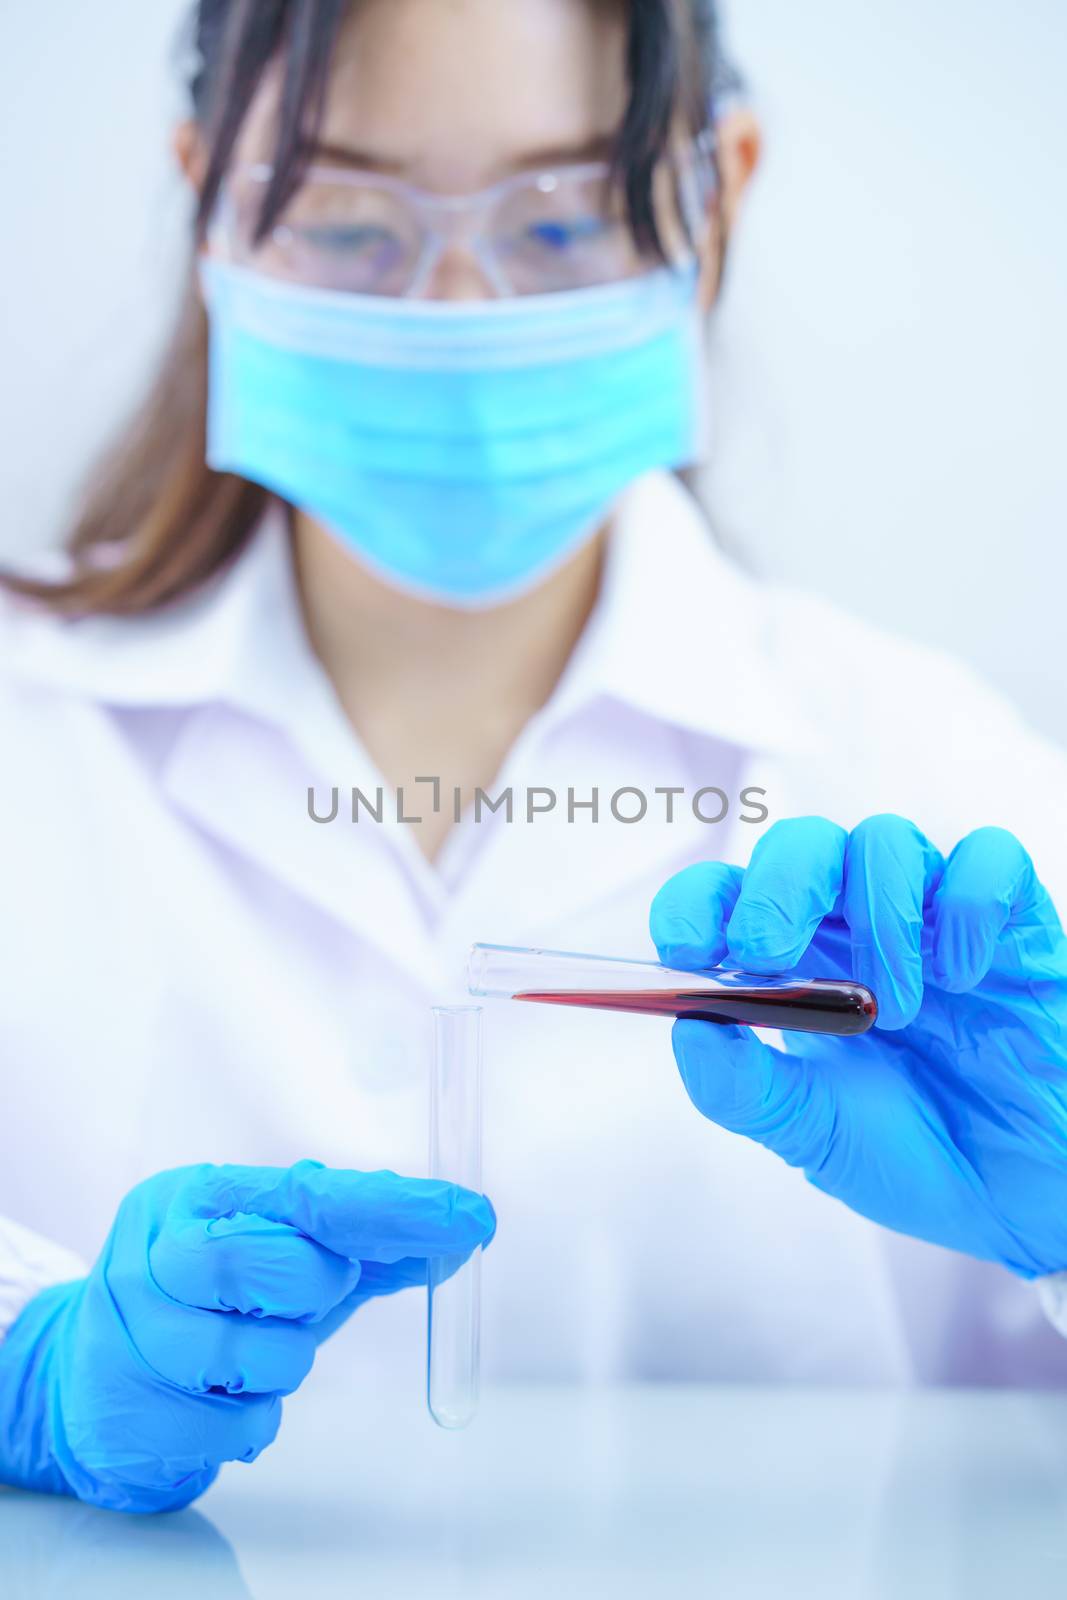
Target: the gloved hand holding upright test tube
(207, 1304)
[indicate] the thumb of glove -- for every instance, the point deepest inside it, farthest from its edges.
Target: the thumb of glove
(783, 1102)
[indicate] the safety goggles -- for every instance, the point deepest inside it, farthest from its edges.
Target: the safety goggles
(533, 233)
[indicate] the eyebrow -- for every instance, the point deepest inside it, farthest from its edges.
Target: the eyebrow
(597, 148)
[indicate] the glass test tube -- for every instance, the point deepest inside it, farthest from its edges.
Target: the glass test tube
(453, 1329)
(609, 983)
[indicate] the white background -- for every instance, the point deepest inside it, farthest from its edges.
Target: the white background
(891, 350)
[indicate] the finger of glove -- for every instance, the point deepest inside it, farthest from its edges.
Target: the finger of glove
(792, 882)
(227, 1427)
(141, 1446)
(378, 1279)
(200, 1351)
(889, 867)
(364, 1216)
(238, 1427)
(689, 915)
(249, 1264)
(782, 1102)
(988, 878)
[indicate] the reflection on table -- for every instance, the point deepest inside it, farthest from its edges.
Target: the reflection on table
(664, 1490)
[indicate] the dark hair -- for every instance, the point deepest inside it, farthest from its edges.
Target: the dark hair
(159, 522)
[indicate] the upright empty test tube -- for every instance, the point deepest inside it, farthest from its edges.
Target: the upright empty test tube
(453, 1326)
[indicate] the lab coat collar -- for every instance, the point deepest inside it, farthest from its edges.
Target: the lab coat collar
(233, 641)
(679, 633)
(674, 637)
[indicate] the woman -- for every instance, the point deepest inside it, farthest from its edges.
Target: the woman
(444, 338)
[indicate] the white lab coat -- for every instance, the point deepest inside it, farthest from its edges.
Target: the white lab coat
(195, 970)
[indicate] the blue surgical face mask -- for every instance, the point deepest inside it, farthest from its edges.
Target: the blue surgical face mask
(461, 450)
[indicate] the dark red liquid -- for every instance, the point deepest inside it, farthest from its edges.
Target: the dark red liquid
(813, 1005)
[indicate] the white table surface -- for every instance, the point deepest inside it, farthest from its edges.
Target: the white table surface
(667, 1490)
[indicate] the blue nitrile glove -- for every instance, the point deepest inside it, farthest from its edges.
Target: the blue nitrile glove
(948, 1120)
(211, 1295)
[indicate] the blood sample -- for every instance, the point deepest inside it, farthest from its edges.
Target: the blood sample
(833, 1006)
(815, 1006)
